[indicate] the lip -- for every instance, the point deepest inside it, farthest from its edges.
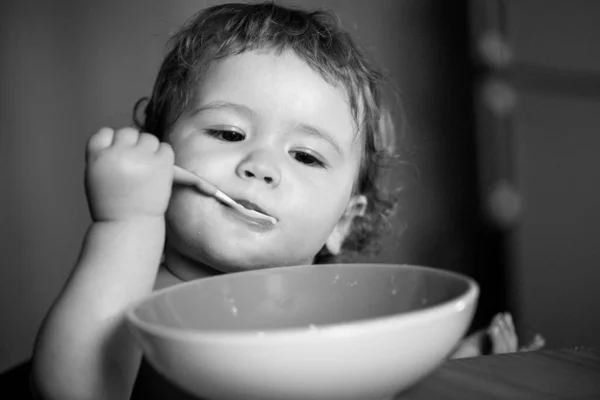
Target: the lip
(251, 206)
(253, 223)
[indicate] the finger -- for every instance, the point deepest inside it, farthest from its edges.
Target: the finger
(537, 343)
(505, 337)
(99, 140)
(496, 338)
(511, 332)
(510, 323)
(148, 142)
(126, 137)
(503, 340)
(493, 328)
(495, 320)
(509, 338)
(498, 343)
(165, 150)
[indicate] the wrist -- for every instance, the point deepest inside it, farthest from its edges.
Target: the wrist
(131, 221)
(119, 261)
(124, 214)
(141, 237)
(138, 240)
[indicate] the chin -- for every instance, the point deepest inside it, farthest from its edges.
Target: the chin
(244, 262)
(227, 258)
(199, 238)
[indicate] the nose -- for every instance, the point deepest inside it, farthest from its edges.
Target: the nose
(260, 165)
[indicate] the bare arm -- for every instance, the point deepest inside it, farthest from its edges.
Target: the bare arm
(83, 350)
(84, 346)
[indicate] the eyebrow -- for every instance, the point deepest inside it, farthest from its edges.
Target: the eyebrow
(220, 105)
(321, 134)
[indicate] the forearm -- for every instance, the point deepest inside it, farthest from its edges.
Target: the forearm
(84, 349)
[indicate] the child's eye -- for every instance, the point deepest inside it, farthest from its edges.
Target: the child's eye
(307, 159)
(227, 135)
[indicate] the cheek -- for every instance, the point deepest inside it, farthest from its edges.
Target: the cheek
(186, 215)
(217, 167)
(194, 151)
(315, 211)
(195, 159)
(191, 213)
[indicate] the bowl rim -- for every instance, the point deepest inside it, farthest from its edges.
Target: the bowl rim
(368, 326)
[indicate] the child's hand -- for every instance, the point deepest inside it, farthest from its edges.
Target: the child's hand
(503, 336)
(129, 175)
(500, 337)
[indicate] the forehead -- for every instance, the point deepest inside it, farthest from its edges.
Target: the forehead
(279, 88)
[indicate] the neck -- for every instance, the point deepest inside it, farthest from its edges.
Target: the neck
(185, 268)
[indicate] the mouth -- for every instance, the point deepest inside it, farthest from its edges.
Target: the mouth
(251, 206)
(252, 215)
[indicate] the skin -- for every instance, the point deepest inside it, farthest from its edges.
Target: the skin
(267, 129)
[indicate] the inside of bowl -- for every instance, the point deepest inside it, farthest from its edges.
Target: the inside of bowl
(300, 297)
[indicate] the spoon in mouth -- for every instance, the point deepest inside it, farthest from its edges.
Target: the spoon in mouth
(183, 176)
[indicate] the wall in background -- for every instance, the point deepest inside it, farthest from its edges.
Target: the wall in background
(539, 119)
(70, 67)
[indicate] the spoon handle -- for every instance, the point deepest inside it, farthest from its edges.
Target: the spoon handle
(183, 176)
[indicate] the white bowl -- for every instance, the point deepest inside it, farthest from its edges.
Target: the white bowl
(339, 331)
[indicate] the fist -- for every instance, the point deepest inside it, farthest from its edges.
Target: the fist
(128, 175)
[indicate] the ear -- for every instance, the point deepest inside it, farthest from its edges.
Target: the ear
(356, 207)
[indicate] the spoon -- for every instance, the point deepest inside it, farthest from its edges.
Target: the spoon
(186, 177)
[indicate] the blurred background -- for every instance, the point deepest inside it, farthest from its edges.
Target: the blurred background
(501, 111)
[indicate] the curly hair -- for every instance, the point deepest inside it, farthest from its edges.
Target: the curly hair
(318, 39)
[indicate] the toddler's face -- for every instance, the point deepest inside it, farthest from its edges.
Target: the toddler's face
(267, 129)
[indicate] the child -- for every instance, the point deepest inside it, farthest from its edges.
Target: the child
(276, 107)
